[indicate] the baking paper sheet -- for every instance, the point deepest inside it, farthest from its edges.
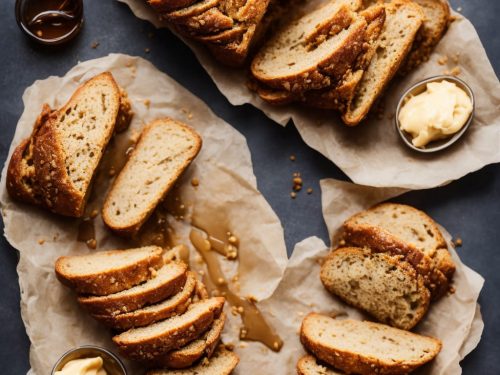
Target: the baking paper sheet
(54, 321)
(372, 153)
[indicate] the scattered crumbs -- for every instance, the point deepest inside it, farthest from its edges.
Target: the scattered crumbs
(292, 157)
(190, 116)
(147, 50)
(195, 182)
(309, 190)
(94, 213)
(455, 71)
(229, 346)
(300, 313)
(92, 244)
(443, 60)
(293, 195)
(342, 242)
(243, 345)
(251, 299)
(41, 241)
(458, 242)
(147, 103)
(451, 290)
(39, 33)
(456, 57)
(94, 45)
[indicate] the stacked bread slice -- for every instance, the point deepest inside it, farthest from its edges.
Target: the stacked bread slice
(162, 316)
(396, 263)
(228, 28)
(350, 346)
(55, 166)
(361, 65)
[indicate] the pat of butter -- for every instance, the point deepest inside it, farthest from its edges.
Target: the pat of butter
(440, 111)
(83, 366)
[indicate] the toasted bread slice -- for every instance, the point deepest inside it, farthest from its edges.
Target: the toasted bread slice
(193, 10)
(70, 144)
(175, 305)
(437, 17)
(308, 365)
(404, 230)
(382, 285)
(153, 341)
(313, 51)
(223, 362)
(107, 272)
(364, 347)
(207, 23)
(166, 282)
(403, 20)
(204, 346)
(165, 149)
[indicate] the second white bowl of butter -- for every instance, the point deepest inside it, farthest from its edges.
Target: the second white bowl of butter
(434, 113)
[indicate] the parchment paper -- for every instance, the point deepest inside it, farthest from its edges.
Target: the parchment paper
(54, 321)
(372, 153)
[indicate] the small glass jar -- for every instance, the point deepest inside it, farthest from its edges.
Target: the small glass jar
(50, 22)
(112, 363)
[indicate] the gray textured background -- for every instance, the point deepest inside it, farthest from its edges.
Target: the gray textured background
(468, 208)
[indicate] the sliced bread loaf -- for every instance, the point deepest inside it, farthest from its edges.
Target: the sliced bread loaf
(153, 341)
(166, 282)
(308, 365)
(175, 305)
(437, 18)
(223, 362)
(403, 20)
(364, 347)
(54, 167)
(108, 272)
(384, 286)
(313, 51)
(404, 230)
(204, 346)
(165, 149)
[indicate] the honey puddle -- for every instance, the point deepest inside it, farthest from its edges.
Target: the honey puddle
(221, 240)
(255, 327)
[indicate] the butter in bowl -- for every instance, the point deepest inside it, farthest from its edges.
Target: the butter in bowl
(89, 360)
(434, 113)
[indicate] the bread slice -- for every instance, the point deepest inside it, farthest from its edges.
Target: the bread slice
(384, 286)
(163, 6)
(204, 346)
(168, 281)
(364, 347)
(403, 20)
(312, 51)
(55, 167)
(153, 341)
(175, 305)
(223, 362)
(437, 17)
(165, 149)
(106, 272)
(195, 9)
(403, 230)
(308, 365)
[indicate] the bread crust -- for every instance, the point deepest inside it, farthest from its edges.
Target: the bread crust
(394, 261)
(305, 362)
(114, 304)
(357, 363)
(148, 349)
(141, 318)
(114, 280)
(132, 228)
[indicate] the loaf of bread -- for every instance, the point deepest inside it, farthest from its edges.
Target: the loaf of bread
(223, 362)
(55, 167)
(366, 348)
(155, 340)
(166, 282)
(384, 286)
(174, 305)
(163, 152)
(229, 28)
(107, 272)
(403, 230)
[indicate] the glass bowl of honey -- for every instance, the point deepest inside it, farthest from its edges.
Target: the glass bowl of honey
(50, 22)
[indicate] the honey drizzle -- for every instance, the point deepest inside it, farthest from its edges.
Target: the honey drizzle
(255, 327)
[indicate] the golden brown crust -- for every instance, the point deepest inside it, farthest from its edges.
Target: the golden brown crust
(148, 349)
(125, 112)
(112, 281)
(162, 6)
(357, 363)
(113, 304)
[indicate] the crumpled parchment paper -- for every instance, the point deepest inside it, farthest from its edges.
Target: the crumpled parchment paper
(372, 153)
(54, 321)
(455, 319)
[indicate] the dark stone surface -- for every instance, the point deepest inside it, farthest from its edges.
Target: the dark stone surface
(468, 208)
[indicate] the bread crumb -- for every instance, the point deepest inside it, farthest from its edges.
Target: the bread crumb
(251, 299)
(292, 157)
(147, 50)
(94, 213)
(94, 45)
(243, 345)
(195, 182)
(443, 60)
(458, 242)
(41, 241)
(455, 71)
(39, 33)
(92, 244)
(309, 190)
(147, 103)
(293, 195)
